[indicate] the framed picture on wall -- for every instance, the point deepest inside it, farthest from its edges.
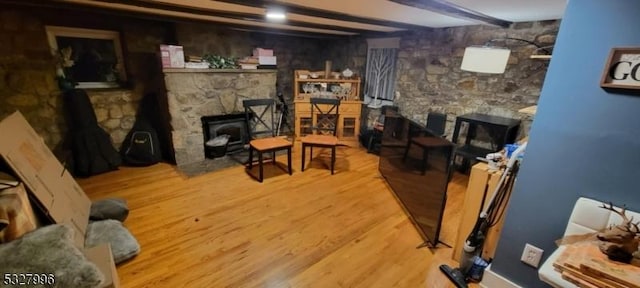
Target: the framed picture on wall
(92, 58)
(622, 70)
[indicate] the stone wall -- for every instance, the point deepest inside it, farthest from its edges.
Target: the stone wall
(27, 70)
(293, 53)
(27, 75)
(192, 95)
(429, 76)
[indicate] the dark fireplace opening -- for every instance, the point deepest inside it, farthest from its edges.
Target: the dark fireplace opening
(233, 125)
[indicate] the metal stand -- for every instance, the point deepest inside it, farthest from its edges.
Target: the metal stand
(283, 108)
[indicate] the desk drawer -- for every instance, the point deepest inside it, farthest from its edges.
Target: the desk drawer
(350, 108)
(303, 108)
(345, 108)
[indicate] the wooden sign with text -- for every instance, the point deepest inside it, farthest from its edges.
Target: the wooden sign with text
(622, 70)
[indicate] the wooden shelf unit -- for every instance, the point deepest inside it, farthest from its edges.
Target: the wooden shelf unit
(349, 112)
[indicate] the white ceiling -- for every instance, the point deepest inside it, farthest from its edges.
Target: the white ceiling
(348, 17)
(517, 10)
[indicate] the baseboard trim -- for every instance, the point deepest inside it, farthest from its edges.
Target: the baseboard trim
(492, 279)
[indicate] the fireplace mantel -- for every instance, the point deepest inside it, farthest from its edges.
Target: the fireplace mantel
(193, 93)
(187, 70)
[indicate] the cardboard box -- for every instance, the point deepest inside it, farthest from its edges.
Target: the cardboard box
(172, 56)
(262, 52)
(101, 256)
(32, 161)
(58, 194)
(267, 60)
(16, 209)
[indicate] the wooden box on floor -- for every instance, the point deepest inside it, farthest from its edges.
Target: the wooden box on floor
(482, 184)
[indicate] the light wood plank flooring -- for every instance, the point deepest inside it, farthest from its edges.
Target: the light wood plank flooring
(311, 229)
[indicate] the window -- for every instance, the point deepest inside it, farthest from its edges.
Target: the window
(381, 70)
(94, 56)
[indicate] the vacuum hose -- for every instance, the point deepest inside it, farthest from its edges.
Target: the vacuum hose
(488, 217)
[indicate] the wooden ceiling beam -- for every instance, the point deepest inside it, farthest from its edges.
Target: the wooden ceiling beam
(231, 15)
(314, 12)
(453, 10)
(60, 5)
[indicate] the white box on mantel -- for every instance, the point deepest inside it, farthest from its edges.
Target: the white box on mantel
(267, 60)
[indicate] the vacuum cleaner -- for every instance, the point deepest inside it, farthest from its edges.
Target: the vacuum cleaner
(487, 218)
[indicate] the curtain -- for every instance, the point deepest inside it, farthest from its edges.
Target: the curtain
(381, 73)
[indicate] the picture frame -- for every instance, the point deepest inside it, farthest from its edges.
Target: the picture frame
(93, 58)
(622, 69)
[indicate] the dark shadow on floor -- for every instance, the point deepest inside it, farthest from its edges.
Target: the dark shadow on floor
(230, 160)
(210, 165)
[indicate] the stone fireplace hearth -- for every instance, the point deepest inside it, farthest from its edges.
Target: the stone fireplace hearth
(194, 93)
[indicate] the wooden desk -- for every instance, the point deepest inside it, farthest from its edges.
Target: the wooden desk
(482, 184)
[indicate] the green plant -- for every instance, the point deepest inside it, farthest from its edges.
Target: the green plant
(220, 62)
(64, 62)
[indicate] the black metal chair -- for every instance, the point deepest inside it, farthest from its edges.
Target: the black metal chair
(260, 118)
(431, 139)
(437, 122)
(325, 114)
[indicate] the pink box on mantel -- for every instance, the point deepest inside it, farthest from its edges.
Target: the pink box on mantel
(172, 56)
(262, 52)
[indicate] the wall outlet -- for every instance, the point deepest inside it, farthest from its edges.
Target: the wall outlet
(531, 255)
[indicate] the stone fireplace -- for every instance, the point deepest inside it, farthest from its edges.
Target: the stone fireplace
(194, 93)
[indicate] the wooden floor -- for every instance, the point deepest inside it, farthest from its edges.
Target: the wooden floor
(311, 229)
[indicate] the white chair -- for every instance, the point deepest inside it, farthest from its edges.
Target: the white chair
(587, 217)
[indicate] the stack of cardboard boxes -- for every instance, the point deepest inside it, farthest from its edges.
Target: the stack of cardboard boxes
(261, 59)
(266, 60)
(58, 195)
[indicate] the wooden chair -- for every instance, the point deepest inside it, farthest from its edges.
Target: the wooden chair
(324, 113)
(261, 122)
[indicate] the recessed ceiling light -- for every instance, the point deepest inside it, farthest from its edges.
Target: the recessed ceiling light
(275, 15)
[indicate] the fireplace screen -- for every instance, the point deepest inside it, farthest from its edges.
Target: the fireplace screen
(233, 125)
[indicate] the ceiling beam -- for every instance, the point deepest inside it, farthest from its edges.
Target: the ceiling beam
(231, 15)
(453, 10)
(314, 12)
(61, 5)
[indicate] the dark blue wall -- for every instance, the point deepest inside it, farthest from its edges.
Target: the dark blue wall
(584, 141)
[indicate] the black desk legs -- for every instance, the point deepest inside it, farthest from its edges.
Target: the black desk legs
(304, 153)
(333, 158)
(289, 160)
(425, 158)
(456, 131)
(260, 165)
